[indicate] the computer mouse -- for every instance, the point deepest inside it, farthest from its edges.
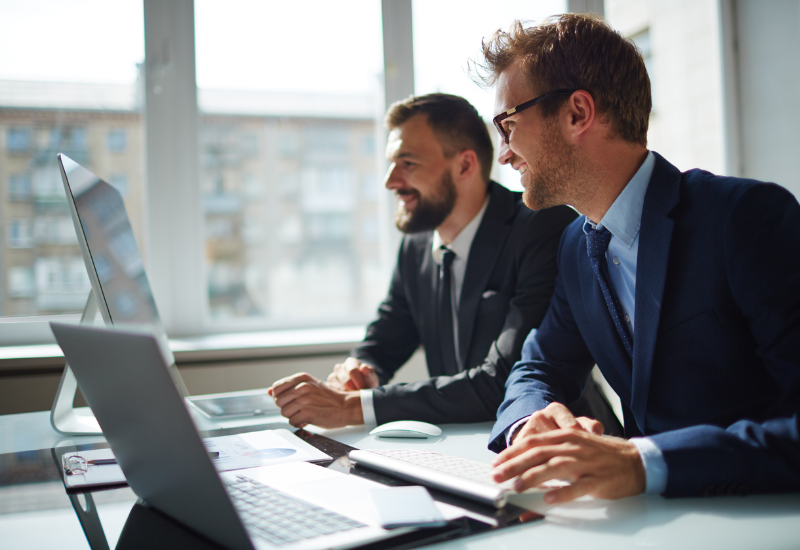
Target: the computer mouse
(408, 429)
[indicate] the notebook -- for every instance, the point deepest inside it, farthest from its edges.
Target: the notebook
(124, 378)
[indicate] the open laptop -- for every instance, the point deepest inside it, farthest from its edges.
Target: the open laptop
(148, 426)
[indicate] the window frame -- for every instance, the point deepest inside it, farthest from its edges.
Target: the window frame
(174, 193)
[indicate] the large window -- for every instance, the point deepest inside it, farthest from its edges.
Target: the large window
(70, 87)
(289, 166)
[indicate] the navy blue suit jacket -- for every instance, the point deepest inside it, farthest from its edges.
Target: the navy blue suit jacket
(715, 376)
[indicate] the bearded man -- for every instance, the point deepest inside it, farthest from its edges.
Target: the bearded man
(474, 275)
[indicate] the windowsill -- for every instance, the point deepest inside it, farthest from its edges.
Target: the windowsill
(202, 349)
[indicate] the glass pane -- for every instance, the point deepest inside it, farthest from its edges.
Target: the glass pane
(70, 86)
(440, 58)
(289, 161)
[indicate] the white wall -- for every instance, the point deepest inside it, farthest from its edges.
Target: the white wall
(686, 124)
(768, 39)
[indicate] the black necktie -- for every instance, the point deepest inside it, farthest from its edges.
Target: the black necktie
(445, 309)
(597, 244)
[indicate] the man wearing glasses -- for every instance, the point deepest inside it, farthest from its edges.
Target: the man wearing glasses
(474, 275)
(684, 288)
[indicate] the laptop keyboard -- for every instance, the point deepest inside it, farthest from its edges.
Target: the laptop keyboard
(280, 518)
(452, 465)
(463, 477)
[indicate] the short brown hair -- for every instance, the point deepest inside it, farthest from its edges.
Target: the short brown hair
(454, 121)
(576, 51)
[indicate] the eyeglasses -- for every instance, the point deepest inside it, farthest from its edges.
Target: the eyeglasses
(498, 120)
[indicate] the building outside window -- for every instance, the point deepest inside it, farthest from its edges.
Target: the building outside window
(83, 103)
(117, 140)
(19, 187)
(18, 140)
(283, 155)
(21, 283)
(20, 234)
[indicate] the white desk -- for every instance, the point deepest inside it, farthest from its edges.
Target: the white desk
(703, 523)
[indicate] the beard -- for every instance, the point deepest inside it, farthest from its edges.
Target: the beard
(430, 212)
(554, 173)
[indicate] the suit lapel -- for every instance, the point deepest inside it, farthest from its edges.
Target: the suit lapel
(655, 236)
(484, 252)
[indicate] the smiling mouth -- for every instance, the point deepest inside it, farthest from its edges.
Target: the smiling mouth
(523, 169)
(407, 196)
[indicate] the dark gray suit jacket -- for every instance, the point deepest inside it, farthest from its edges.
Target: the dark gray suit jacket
(506, 291)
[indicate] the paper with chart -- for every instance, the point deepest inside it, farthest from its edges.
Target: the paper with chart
(262, 448)
(236, 452)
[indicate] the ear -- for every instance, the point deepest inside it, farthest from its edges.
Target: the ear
(580, 115)
(466, 164)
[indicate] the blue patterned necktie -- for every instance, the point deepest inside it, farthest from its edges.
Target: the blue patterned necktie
(445, 310)
(596, 245)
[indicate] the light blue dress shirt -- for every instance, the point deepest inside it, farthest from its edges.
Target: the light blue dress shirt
(623, 220)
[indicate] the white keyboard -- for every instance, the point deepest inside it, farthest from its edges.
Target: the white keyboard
(467, 478)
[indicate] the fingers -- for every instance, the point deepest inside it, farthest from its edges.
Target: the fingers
(577, 489)
(539, 422)
(299, 404)
(364, 377)
(334, 382)
(562, 416)
(300, 420)
(288, 383)
(358, 379)
(554, 416)
(352, 375)
(523, 444)
(558, 467)
(340, 376)
(520, 462)
(291, 395)
(590, 425)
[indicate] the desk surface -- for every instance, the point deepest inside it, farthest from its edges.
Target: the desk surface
(36, 513)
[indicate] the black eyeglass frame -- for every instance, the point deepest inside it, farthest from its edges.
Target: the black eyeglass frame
(521, 107)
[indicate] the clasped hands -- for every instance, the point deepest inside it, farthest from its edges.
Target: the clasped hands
(305, 400)
(553, 444)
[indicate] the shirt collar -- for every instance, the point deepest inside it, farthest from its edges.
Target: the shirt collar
(624, 217)
(463, 241)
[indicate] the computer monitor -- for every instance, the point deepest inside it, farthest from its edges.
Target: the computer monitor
(122, 295)
(120, 289)
(113, 262)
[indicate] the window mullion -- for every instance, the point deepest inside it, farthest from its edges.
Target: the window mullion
(174, 248)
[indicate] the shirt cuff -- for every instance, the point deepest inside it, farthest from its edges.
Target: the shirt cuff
(655, 467)
(513, 429)
(367, 408)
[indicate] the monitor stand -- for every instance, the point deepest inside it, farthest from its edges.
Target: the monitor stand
(63, 416)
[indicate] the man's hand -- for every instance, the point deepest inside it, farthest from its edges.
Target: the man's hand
(352, 375)
(305, 400)
(601, 466)
(556, 416)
